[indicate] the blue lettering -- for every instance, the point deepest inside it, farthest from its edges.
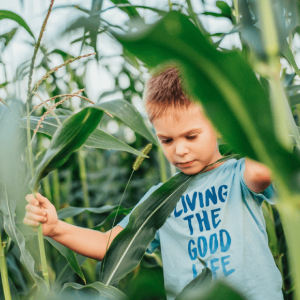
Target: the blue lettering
(194, 271)
(226, 273)
(214, 216)
(202, 250)
(224, 247)
(214, 268)
(201, 200)
(220, 193)
(192, 204)
(192, 252)
(213, 243)
(211, 195)
(183, 204)
(204, 220)
(189, 219)
(177, 213)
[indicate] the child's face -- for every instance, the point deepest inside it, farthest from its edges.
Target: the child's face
(189, 142)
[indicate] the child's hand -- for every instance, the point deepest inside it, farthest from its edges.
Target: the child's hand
(40, 209)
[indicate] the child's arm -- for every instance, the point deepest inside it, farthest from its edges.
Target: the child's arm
(257, 176)
(87, 242)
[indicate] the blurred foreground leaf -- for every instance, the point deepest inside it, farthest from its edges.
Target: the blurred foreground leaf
(241, 112)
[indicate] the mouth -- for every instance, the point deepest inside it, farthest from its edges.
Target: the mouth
(185, 164)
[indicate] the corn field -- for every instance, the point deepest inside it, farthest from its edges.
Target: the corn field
(89, 153)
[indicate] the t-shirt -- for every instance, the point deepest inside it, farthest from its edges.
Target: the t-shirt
(220, 220)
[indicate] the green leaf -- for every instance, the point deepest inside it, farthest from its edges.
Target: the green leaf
(5, 14)
(128, 114)
(130, 11)
(199, 284)
(70, 136)
(121, 211)
(98, 139)
(219, 291)
(225, 8)
(74, 6)
(241, 113)
(129, 246)
(65, 270)
(286, 51)
(8, 37)
(71, 211)
(69, 255)
(96, 290)
(130, 6)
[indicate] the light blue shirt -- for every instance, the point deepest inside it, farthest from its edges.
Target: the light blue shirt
(220, 220)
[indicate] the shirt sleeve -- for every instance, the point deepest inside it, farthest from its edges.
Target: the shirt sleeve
(156, 242)
(269, 194)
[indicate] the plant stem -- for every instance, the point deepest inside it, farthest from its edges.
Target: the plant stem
(56, 189)
(85, 190)
(29, 96)
(4, 275)
(46, 187)
(162, 163)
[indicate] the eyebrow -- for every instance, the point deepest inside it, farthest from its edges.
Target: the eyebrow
(184, 134)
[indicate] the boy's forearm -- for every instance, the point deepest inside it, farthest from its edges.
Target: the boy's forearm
(87, 242)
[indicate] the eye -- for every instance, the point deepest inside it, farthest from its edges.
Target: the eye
(167, 141)
(191, 137)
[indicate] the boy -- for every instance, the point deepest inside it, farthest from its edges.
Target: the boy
(219, 217)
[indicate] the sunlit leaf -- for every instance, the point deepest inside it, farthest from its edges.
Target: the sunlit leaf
(98, 139)
(127, 113)
(67, 139)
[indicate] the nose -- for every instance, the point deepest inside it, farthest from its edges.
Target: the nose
(181, 149)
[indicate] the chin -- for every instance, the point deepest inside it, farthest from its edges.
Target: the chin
(191, 171)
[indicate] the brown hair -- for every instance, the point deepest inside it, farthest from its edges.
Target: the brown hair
(164, 90)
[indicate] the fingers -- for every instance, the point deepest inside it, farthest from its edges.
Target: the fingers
(30, 199)
(30, 222)
(43, 200)
(34, 217)
(35, 210)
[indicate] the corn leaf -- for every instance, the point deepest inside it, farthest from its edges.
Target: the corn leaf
(67, 139)
(241, 112)
(69, 255)
(65, 270)
(71, 211)
(96, 290)
(129, 246)
(130, 11)
(128, 114)
(196, 286)
(98, 139)
(5, 14)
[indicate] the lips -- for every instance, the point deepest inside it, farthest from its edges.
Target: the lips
(185, 164)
